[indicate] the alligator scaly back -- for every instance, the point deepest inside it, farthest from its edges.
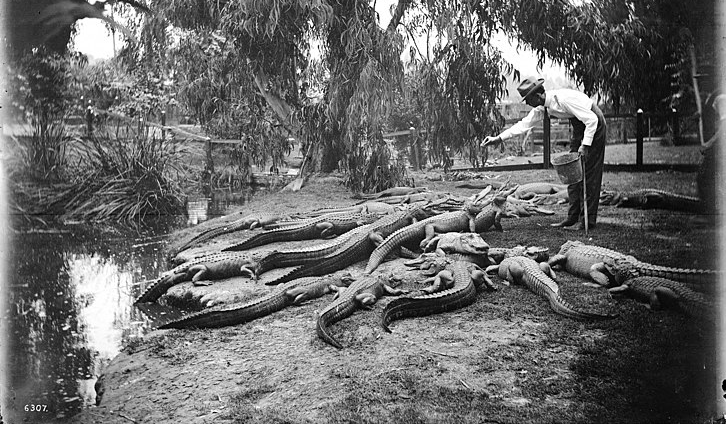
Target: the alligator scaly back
(323, 226)
(628, 267)
(359, 245)
(651, 198)
(362, 292)
(249, 221)
(661, 293)
(539, 279)
(292, 293)
(462, 294)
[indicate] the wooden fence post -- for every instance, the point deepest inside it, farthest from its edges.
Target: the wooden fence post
(163, 125)
(209, 167)
(675, 127)
(546, 141)
(89, 120)
(639, 138)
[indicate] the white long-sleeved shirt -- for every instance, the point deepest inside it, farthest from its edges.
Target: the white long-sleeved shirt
(563, 103)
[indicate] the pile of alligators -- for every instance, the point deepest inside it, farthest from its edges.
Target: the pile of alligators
(439, 234)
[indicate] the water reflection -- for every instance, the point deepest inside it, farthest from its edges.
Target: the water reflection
(72, 311)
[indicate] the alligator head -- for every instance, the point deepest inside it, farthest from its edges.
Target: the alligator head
(471, 243)
(621, 269)
(537, 253)
(569, 244)
(430, 263)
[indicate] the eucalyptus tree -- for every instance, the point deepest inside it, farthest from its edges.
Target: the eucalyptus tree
(331, 74)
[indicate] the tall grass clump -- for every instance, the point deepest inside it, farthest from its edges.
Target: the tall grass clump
(125, 176)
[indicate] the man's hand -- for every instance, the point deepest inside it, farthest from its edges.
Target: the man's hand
(584, 151)
(490, 141)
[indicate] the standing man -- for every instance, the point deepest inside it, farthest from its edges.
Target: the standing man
(588, 138)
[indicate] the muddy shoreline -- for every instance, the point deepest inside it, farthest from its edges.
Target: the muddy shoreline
(506, 358)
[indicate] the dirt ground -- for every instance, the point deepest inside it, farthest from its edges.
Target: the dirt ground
(507, 358)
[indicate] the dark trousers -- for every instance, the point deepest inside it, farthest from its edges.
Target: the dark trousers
(593, 170)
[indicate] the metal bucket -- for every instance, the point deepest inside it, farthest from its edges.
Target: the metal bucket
(568, 168)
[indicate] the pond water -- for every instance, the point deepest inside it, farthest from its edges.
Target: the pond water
(70, 306)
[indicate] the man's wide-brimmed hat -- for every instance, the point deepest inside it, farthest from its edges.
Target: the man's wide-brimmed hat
(528, 86)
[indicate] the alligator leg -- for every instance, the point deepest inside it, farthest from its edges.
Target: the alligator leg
(666, 298)
(441, 281)
(368, 298)
(599, 274)
(325, 229)
(545, 267)
(480, 279)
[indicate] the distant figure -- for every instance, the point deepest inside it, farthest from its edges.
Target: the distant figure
(588, 137)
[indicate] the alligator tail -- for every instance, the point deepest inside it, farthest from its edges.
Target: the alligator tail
(694, 276)
(329, 317)
(562, 307)
(391, 242)
(444, 301)
(157, 289)
(233, 315)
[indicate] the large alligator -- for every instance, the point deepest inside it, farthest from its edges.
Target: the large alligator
(358, 245)
(324, 226)
(592, 262)
(367, 207)
(459, 282)
(631, 267)
(540, 279)
(362, 293)
(414, 198)
(391, 192)
(210, 267)
(650, 198)
(585, 261)
(250, 221)
(525, 208)
(530, 190)
(464, 243)
(661, 293)
(293, 293)
(477, 216)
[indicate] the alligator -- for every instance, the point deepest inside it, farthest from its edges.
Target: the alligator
(391, 192)
(414, 198)
(530, 190)
(250, 221)
(540, 279)
(627, 267)
(466, 243)
(453, 287)
(537, 253)
(367, 207)
(661, 293)
(551, 199)
(481, 184)
(358, 244)
(599, 263)
(477, 216)
(323, 226)
(650, 198)
(209, 267)
(525, 208)
(497, 254)
(585, 261)
(363, 292)
(293, 293)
